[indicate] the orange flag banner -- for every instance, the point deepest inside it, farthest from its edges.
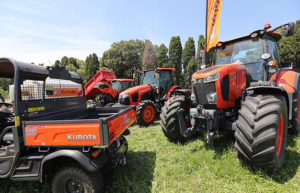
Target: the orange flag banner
(213, 11)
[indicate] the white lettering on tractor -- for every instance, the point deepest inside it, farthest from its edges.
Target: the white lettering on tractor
(88, 137)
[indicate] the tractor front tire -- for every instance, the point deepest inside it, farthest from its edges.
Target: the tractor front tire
(145, 113)
(75, 179)
(261, 134)
(169, 119)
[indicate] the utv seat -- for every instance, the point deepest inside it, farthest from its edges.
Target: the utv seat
(8, 138)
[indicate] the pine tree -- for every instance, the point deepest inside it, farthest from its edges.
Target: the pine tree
(188, 52)
(175, 52)
(91, 66)
(190, 69)
(162, 56)
(64, 61)
(57, 63)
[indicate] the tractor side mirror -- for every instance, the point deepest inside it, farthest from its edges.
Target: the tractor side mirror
(288, 29)
(286, 65)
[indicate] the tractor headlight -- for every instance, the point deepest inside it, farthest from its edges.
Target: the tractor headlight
(125, 96)
(194, 80)
(211, 78)
(212, 98)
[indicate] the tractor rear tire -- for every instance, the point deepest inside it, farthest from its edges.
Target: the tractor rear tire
(145, 113)
(74, 179)
(261, 134)
(169, 119)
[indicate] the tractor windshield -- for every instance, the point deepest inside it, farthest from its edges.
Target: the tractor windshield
(246, 52)
(151, 78)
(125, 85)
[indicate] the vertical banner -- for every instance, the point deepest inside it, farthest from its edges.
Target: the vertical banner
(213, 11)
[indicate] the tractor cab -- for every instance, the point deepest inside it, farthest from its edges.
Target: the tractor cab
(258, 52)
(161, 80)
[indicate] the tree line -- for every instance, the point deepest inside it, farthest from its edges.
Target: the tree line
(128, 58)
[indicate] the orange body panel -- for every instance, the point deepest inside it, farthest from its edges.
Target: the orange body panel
(125, 80)
(61, 92)
(119, 124)
(170, 90)
(62, 134)
(76, 134)
(286, 80)
(141, 89)
(237, 82)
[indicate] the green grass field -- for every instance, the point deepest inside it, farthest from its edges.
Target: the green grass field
(157, 165)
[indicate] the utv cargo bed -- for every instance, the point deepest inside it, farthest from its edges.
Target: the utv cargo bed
(90, 127)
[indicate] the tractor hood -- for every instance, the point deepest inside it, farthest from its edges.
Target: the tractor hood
(215, 69)
(140, 88)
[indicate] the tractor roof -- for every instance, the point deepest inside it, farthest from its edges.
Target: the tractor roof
(274, 34)
(171, 69)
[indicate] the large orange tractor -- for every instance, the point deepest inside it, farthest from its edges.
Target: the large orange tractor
(103, 88)
(156, 87)
(247, 90)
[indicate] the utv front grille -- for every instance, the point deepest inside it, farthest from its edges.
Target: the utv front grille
(202, 90)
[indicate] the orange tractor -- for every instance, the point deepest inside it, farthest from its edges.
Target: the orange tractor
(103, 88)
(156, 87)
(247, 90)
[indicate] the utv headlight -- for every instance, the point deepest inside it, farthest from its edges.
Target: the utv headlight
(211, 78)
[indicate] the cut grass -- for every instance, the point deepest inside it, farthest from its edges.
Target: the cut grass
(157, 165)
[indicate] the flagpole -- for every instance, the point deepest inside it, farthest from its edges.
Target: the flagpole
(205, 44)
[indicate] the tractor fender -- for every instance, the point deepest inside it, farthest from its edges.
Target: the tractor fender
(171, 90)
(180, 91)
(79, 157)
(271, 90)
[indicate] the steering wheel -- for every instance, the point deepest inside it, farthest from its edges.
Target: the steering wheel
(240, 61)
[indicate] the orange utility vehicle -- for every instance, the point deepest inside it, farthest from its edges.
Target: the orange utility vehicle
(156, 87)
(247, 90)
(103, 88)
(56, 137)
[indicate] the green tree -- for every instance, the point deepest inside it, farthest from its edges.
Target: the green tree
(91, 66)
(201, 41)
(190, 69)
(124, 58)
(162, 56)
(57, 63)
(149, 55)
(290, 47)
(188, 52)
(64, 61)
(175, 52)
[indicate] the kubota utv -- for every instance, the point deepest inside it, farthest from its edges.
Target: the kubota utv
(103, 88)
(52, 135)
(248, 90)
(150, 96)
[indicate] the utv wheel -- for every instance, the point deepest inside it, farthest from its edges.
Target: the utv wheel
(261, 134)
(146, 113)
(169, 120)
(76, 180)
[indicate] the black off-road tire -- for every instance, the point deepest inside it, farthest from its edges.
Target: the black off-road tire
(295, 129)
(257, 132)
(169, 120)
(140, 119)
(90, 182)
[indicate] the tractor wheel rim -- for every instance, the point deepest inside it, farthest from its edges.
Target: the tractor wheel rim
(148, 113)
(73, 186)
(279, 135)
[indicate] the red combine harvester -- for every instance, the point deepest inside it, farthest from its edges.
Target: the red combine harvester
(156, 87)
(103, 88)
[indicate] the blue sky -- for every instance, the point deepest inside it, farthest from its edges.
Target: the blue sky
(43, 31)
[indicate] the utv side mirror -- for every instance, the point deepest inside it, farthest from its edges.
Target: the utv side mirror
(288, 29)
(286, 65)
